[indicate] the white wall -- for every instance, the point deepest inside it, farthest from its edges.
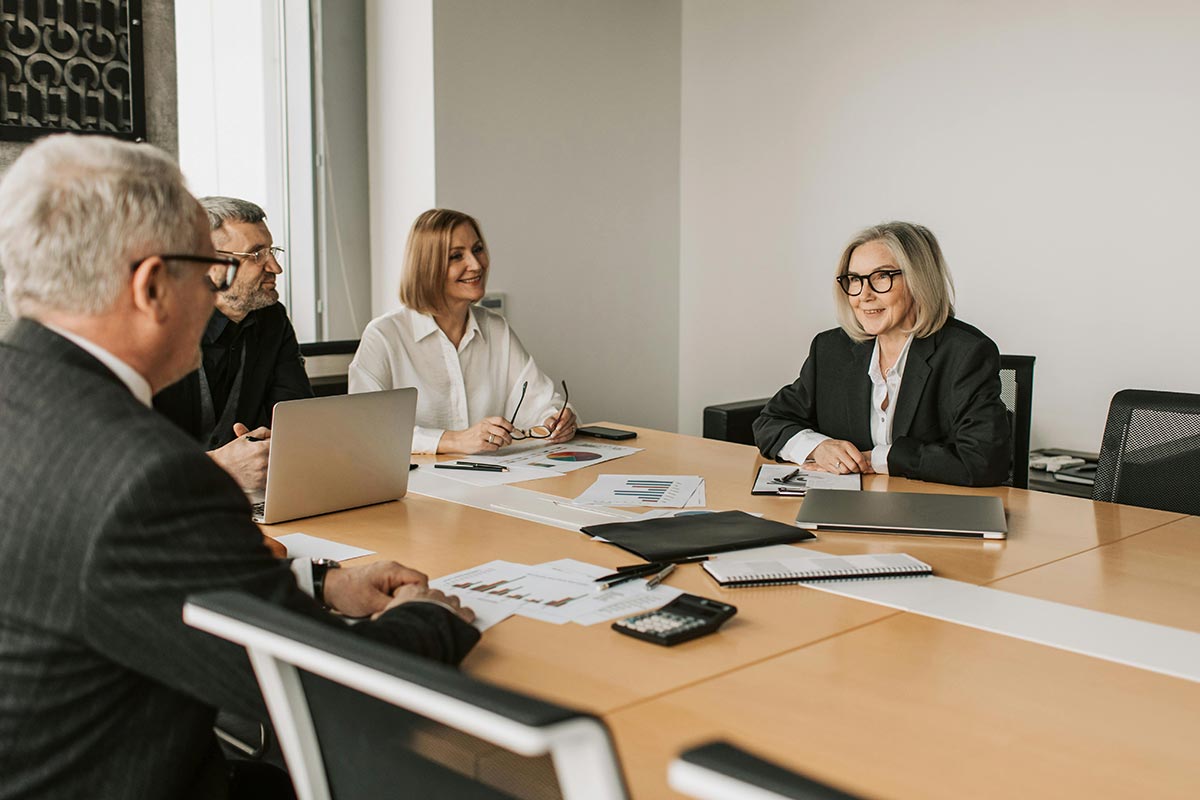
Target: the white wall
(557, 125)
(400, 140)
(1052, 147)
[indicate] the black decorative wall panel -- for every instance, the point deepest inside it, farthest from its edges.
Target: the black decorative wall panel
(71, 65)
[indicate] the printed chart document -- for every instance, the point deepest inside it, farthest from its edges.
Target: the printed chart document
(558, 591)
(515, 474)
(664, 491)
(783, 479)
(560, 457)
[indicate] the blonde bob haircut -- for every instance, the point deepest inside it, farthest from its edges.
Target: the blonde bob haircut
(916, 254)
(427, 258)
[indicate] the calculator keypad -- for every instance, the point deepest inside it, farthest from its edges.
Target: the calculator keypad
(662, 622)
(684, 618)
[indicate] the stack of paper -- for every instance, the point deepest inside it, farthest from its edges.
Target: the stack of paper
(662, 491)
(558, 591)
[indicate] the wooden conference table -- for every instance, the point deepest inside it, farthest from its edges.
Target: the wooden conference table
(873, 700)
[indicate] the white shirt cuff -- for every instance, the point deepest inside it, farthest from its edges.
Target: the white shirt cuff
(800, 447)
(302, 569)
(879, 456)
(425, 440)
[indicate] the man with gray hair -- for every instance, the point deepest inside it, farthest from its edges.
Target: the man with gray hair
(251, 360)
(110, 517)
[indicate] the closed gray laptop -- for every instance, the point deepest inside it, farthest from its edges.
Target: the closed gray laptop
(903, 512)
(334, 453)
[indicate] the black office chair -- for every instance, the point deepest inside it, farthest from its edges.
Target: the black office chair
(720, 771)
(327, 364)
(733, 422)
(1016, 390)
(358, 719)
(1150, 455)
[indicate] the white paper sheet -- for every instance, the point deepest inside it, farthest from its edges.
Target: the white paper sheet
(557, 592)
(566, 457)
(515, 474)
(664, 491)
(770, 479)
(301, 545)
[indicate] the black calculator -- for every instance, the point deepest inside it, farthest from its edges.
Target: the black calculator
(686, 617)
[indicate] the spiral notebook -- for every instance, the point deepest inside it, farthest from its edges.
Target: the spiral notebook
(816, 567)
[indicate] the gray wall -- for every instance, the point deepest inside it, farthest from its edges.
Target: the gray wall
(343, 223)
(158, 39)
(557, 126)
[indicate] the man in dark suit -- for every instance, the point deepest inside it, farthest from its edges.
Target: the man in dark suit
(110, 516)
(251, 360)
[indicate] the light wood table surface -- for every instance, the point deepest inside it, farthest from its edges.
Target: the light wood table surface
(829, 680)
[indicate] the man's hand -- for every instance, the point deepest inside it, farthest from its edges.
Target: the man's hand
(369, 590)
(244, 459)
(409, 594)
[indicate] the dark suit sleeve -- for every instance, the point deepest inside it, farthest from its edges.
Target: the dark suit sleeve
(182, 527)
(791, 410)
(289, 381)
(978, 448)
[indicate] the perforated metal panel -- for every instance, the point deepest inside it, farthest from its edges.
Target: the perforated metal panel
(1151, 451)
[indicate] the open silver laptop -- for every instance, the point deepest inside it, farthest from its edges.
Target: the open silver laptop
(334, 453)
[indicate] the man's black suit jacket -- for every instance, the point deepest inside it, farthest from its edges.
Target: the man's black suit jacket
(950, 424)
(274, 372)
(109, 518)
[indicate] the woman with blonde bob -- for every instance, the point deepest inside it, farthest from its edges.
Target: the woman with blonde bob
(902, 387)
(477, 387)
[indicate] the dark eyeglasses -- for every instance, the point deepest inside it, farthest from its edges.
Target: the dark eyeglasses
(880, 280)
(537, 431)
(258, 255)
(230, 264)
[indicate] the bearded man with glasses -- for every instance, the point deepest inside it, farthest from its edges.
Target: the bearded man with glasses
(251, 359)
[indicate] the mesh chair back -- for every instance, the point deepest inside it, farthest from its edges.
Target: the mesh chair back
(1150, 455)
(358, 719)
(721, 771)
(1016, 390)
(327, 365)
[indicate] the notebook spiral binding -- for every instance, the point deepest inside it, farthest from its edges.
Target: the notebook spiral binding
(770, 578)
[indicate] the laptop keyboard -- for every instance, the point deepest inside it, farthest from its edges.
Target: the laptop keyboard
(257, 511)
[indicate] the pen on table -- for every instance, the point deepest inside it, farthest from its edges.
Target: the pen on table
(787, 477)
(630, 572)
(471, 466)
(660, 577)
(627, 576)
(652, 566)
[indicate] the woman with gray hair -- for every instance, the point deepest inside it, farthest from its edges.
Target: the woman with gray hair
(902, 387)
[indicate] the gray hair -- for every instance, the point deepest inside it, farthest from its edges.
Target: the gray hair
(76, 211)
(230, 209)
(927, 278)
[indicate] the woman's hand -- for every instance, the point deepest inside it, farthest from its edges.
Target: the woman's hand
(486, 436)
(840, 457)
(565, 428)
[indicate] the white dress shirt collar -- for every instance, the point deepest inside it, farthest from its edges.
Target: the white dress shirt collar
(424, 325)
(137, 385)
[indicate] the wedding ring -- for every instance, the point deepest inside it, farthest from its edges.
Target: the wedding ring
(839, 465)
(490, 439)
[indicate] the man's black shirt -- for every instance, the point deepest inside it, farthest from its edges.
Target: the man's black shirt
(273, 371)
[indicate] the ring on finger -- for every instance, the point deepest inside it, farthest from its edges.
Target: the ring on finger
(491, 440)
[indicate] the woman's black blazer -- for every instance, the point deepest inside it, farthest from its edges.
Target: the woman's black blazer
(950, 425)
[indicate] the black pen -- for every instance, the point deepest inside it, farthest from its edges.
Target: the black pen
(628, 576)
(482, 465)
(652, 566)
(473, 467)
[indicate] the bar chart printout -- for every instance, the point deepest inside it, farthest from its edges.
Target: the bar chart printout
(557, 591)
(664, 491)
